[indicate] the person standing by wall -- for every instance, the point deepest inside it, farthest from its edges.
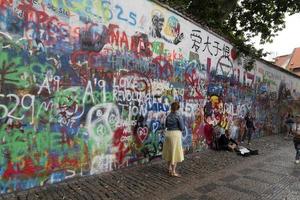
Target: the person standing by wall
(296, 140)
(289, 124)
(242, 130)
(249, 126)
(172, 148)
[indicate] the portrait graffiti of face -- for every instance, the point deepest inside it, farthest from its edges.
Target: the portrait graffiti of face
(157, 24)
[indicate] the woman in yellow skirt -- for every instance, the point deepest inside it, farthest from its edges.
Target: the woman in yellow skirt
(172, 148)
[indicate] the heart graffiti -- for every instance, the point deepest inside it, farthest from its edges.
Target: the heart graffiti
(142, 134)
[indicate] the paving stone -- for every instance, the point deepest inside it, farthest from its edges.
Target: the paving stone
(277, 189)
(229, 178)
(228, 193)
(205, 197)
(259, 165)
(250, 184)
(267, 177)
(206, 188)
(256, 179)
(295, 173)
(246, 171)
(183, 197)
(280, 170)
(242, 190)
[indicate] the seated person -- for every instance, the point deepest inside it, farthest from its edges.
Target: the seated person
(226, 142)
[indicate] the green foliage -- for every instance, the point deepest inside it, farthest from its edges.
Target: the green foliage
(249, 63)
(240, 20)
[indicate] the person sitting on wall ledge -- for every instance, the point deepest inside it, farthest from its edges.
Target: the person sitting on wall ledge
(227, 143)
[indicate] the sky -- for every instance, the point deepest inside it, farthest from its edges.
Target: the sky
(286, 41)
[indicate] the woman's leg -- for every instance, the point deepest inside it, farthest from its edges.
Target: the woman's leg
(291, 129)
(249, 135)
(174, 173)
(170, 168)
(245, 131)
(288, 131)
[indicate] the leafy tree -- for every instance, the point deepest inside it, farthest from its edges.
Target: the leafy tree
(240, 20)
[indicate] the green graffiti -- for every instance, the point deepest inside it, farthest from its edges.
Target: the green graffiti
(16, 144)
(11, 71)
(75, 6)
(100, 97)
(91, 9)
(47, 141)
(157, 47)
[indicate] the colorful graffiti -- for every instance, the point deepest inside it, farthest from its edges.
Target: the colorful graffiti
(85, 87)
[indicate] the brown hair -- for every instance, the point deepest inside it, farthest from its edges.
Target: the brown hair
(175, 106)
(226, 132)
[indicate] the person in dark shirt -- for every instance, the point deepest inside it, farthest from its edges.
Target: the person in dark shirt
(297, 140)
(289, 123)
(226, 143)
(250, 127)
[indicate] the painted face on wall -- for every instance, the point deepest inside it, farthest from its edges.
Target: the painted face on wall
(157, 24)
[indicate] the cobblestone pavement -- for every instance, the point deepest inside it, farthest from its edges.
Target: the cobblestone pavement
(205, 175)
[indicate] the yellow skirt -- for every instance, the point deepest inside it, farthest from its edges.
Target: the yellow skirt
(172, 148)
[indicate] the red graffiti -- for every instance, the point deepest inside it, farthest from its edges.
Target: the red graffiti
(5, 3)
(29, 168)
(26, 168)
(10, 170)
(138, 44)
(134, 81)
(233, 54)
(198, 125)
(119, 141)
(31, 14)
(70, 163)
(141, 134)
(52, 163)
(208, 132)
(193, 82)
(49, 28)
(164, 67)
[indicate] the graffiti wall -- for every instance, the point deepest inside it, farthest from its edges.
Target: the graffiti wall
(85, 87)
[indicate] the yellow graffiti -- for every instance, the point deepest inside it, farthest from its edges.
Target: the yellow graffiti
(172, 27)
